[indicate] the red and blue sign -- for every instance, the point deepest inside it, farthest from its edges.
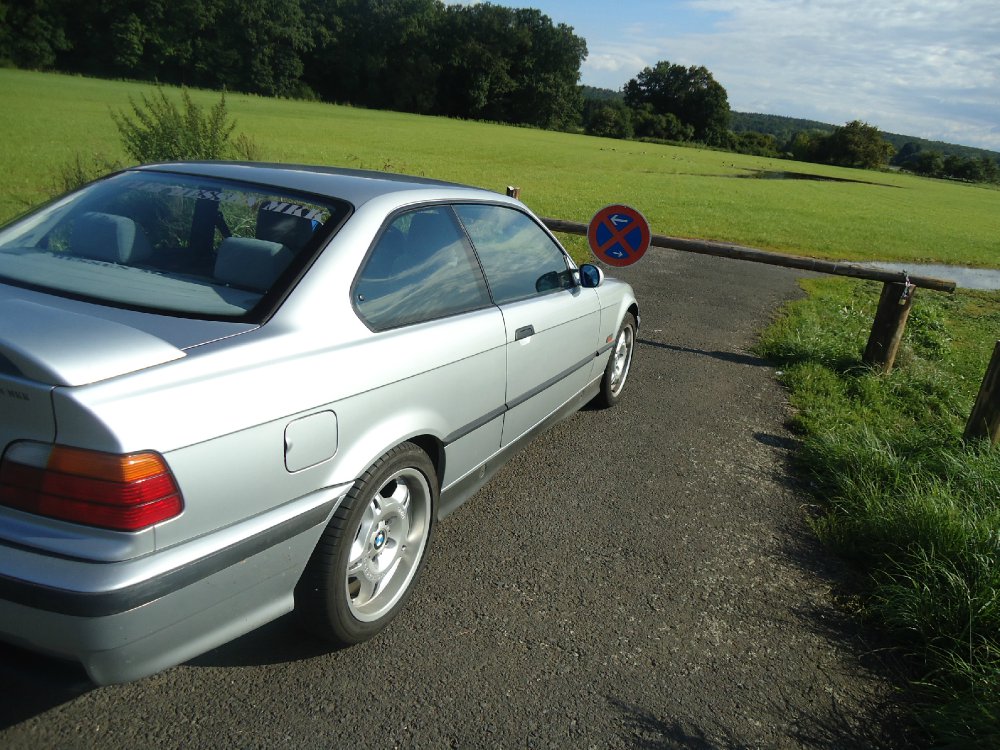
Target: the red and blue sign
(618, 235)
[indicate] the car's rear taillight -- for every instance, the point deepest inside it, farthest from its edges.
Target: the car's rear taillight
(120, 492)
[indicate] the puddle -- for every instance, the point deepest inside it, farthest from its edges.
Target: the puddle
(968, 278)
(763, 174)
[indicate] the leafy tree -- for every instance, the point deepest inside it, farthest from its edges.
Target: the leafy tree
(858, 144)
(660, 126)
(475, 77)
(757, 144)
(376, 53)
(608, 120)
(545, 65)
(691, 94)
(990, 169)
(929, 163)
(33, 32)
(180, 41)
(510, 66)
(806, 145)
(259, 46)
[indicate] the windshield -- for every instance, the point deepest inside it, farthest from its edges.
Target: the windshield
(169, 243)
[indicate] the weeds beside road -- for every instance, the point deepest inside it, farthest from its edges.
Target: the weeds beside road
(898, 492)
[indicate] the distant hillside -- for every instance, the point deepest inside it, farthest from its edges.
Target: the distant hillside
(783, 128)
(604, 95)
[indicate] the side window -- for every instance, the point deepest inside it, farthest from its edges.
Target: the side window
(519, 258)
(420, 269)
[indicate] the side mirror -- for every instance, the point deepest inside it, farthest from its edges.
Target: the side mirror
(591, 276)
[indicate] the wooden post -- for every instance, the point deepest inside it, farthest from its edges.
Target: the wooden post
(514, 192)
(984, 422)
(890, 322)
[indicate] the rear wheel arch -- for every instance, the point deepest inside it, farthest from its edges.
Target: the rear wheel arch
(371, 553)
(434, 449)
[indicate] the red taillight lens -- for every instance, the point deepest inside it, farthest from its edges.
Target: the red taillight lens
(123, 493)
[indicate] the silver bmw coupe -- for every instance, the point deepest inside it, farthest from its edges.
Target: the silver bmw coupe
(229, 391)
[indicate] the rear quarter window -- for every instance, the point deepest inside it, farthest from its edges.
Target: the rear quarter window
(421, 268)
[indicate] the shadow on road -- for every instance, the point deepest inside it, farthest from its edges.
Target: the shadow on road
(837, 731)
(733, 357)
(34, 684)
(646, 732)
(278, 642)
(776, 441)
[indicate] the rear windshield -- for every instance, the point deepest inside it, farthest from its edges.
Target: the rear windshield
(180, 244)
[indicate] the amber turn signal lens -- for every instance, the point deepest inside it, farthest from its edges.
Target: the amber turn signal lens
(127, 492)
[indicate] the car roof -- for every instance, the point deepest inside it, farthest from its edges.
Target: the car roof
(356, 186)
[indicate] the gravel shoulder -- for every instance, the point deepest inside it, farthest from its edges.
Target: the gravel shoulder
(641, 577)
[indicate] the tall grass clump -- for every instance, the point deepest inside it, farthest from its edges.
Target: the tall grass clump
(158, 130)
(901, 496)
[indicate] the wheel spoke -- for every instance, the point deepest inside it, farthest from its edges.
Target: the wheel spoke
(389, 545)
(365, 589)
(623, 353)
(397, 501)
(354, 567)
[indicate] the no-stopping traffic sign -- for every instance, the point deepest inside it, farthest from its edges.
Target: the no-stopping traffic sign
(618, 235)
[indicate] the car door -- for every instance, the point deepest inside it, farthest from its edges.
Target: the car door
(422, 291)
(552, 323)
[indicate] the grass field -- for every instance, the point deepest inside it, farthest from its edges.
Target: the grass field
(48, 119)
(899, 494)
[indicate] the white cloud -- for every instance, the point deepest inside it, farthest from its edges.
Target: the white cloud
(929, 68)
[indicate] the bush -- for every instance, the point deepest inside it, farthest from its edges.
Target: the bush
(157, 130)
(81, 170)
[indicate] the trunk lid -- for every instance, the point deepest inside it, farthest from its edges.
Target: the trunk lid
(57, 347)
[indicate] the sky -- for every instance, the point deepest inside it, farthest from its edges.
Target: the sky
(926, 68)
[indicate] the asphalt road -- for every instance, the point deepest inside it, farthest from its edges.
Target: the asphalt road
(641, 577)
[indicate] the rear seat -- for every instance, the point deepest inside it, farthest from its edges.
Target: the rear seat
(251, 264)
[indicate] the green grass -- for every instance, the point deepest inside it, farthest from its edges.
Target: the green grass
(899, 494)
(48, 119)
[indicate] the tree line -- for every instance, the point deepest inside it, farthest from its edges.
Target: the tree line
(804, 140)
(479, 61)
(649, 107)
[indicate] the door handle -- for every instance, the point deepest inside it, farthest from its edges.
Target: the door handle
(524, 332)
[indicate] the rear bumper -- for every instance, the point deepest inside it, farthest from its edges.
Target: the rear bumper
(126, 620)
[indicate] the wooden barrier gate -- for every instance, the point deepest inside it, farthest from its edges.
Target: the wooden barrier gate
(894, 305)
(898, 291)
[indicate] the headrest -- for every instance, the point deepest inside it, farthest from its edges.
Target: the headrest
(251, 264)
(108, 237)
(291, 231)
(430, 231)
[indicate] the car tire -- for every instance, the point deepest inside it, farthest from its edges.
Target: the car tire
(370, 554)
(616, 372)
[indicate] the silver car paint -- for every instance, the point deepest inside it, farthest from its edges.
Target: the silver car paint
(565, 335)
(56, 347)
(220, 411)
(126, 645)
